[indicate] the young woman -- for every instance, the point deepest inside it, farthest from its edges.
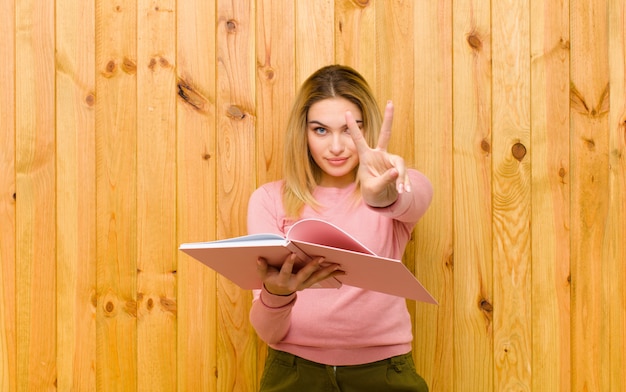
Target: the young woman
(345, 339)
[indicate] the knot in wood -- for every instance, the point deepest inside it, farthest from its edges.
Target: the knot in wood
(450, 261)
(475, 42)
(109, 69)
(485, 146)
(191, 96)
(168, 305)
(231, 26)
(90, 99)
(129, 66)
(130, 307)
(519, 151)
(163, 62)
(590, 144)
(486, 306)
(235, 112)
(152, 64)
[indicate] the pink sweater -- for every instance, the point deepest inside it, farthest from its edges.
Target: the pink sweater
(345, 326)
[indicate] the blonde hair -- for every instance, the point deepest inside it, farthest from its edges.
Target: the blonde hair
(301, 172)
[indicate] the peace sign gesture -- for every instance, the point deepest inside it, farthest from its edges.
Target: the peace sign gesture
(382, 175)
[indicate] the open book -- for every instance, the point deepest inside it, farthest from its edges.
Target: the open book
(236, 259)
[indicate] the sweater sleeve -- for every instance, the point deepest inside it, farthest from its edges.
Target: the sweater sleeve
(270, 314)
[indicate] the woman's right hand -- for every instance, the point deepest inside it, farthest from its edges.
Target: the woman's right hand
(284, 281)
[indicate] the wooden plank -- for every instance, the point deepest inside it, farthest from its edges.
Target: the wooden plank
(314, 36)
(355, 37)
(116, 189)
(196, 208)
(432, 138)
(395, 71)
(156, 190)
(36, 201)
(511, 195)
(614, 275)
(275, 83)
(8, 341)
(589, 101)
(76, 195)
(236, 180)
(472, 258)
(550, 196)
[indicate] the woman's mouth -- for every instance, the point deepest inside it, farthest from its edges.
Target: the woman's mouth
(337, 161)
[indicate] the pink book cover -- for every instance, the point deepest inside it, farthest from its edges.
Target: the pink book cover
(235, 259)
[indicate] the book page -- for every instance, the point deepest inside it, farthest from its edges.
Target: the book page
(320, 232)
(246, 240)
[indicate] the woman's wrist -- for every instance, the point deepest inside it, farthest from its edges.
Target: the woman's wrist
(279, 295)
(383, 199)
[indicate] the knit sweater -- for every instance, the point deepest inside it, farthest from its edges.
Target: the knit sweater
(345, 326)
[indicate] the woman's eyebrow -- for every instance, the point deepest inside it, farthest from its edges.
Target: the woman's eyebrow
(315, 122)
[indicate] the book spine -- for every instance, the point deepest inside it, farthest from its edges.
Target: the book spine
(299, 253)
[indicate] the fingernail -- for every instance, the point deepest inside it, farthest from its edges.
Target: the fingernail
(408, 187)
(400, 188)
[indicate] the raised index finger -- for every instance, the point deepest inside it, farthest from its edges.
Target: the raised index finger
(385, 130)
(356, 134)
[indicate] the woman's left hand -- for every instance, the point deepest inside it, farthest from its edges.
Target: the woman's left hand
(382, 175)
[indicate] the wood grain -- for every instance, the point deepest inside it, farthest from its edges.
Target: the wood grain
(35, 215)
(511, 198)
(236, 179)
(550, 160)
(395, 72)
(355, 37)
(156, 194)
(614, 248)
(472, 147)
(76, 195)
(314, 37)
(196, 207)
(589, 192)
(274, 84)
(8, 341)
(434, 234)
(116, 189)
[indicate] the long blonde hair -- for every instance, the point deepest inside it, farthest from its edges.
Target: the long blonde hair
(301, 172)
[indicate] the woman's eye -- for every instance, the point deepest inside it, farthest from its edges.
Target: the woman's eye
(320, 130)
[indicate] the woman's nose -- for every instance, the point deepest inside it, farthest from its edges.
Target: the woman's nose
(337, 144)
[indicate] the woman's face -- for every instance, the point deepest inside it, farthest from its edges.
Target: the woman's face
(329, 140)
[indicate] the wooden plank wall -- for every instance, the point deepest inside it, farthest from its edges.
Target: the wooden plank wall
(130, 127)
